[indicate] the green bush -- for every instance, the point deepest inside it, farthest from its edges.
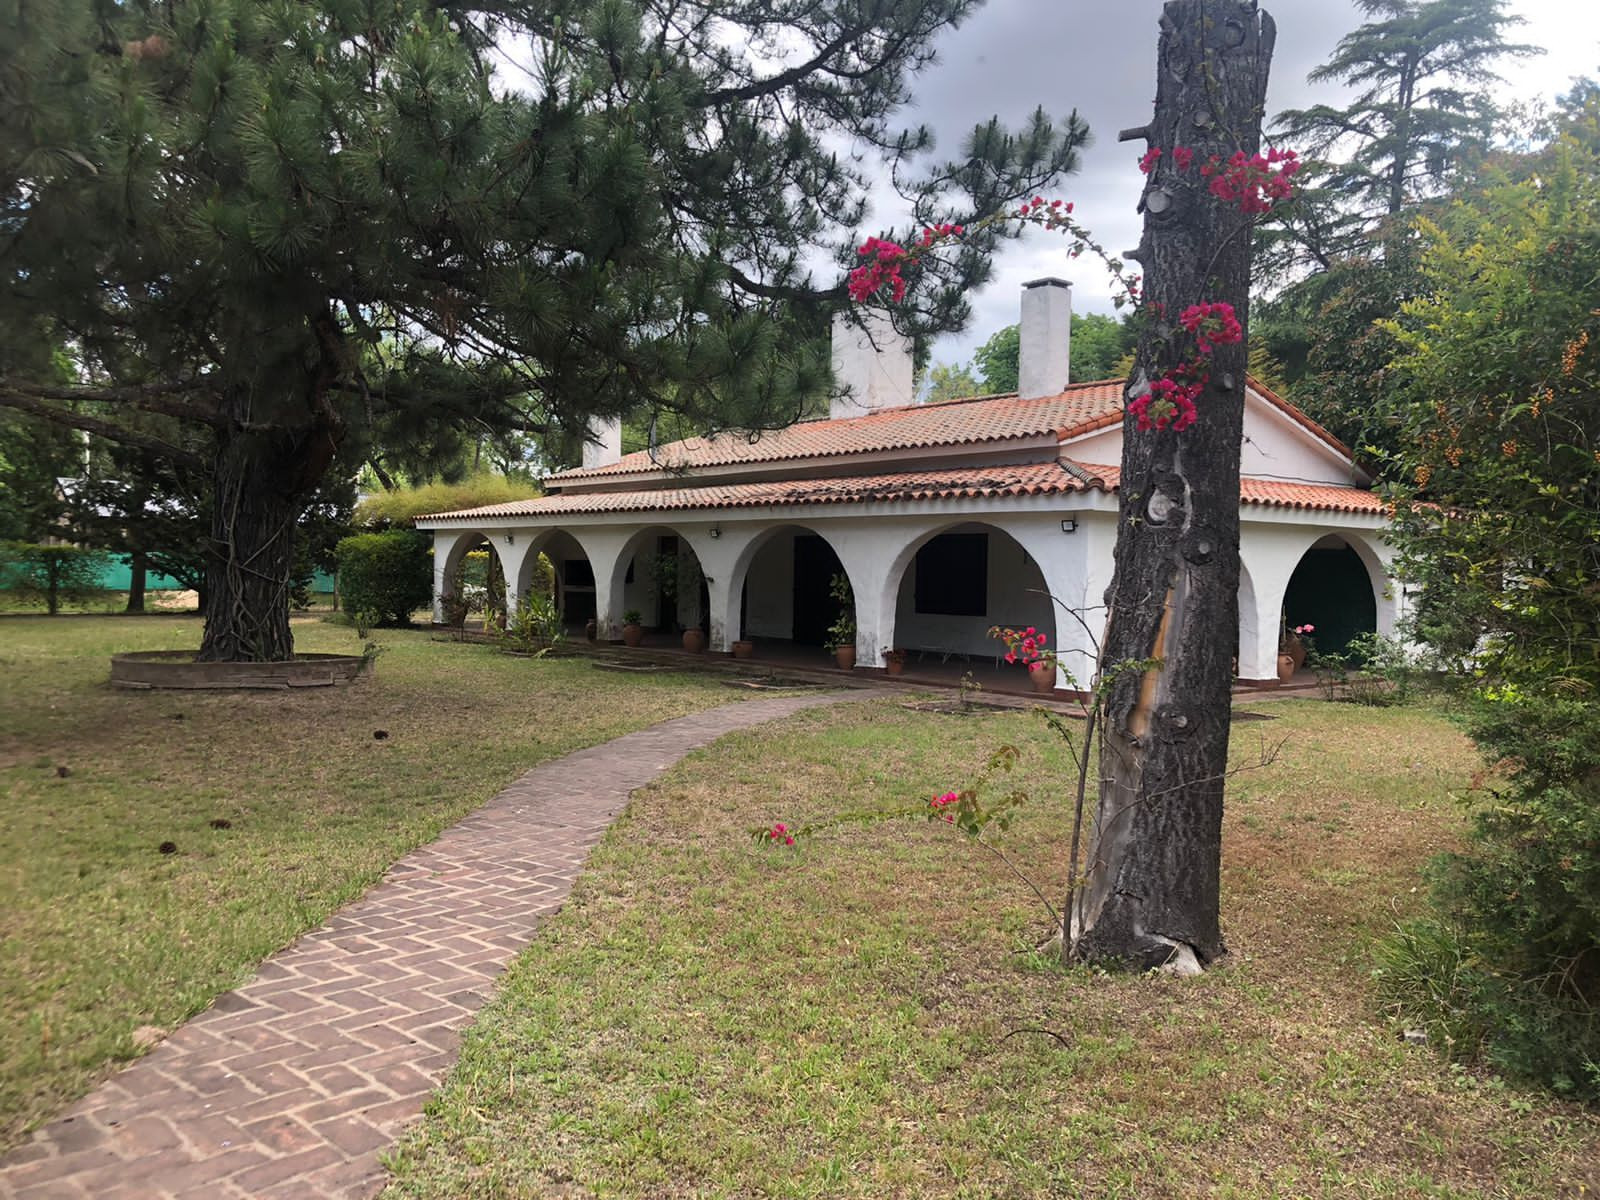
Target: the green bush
(388, 575)
(1520, 907)
(50, 575)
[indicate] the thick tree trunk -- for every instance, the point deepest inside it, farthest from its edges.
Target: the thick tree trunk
(138, 566)
(254, 512)
(1151, 892)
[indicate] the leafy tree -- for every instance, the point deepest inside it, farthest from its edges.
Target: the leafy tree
(51, 575)
(1498, 522)
(310, 228)
(1099, 344)
(949, 382)
(996, 360)
(34, 454)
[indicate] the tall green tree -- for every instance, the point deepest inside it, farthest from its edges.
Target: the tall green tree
(1497, 370)
(309, 227)
(1424, 76)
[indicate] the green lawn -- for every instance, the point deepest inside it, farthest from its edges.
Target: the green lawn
(858, 1015)
(281, 806)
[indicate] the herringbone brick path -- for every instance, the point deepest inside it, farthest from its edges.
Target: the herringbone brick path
(291, 1085)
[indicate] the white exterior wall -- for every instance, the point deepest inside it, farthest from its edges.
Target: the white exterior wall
(872, 366)
(1044, 351)
(877, 546)
(1275, 447)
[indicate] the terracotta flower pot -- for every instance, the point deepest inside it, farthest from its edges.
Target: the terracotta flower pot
(591, 630)
(1043, 677)
(694, 641)
(632, 635)
(1295, 649)
(1286, 667)
(744, 649)
(894, 663)
(845, 656)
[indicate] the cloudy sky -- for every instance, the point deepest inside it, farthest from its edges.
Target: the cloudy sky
(1099, 58)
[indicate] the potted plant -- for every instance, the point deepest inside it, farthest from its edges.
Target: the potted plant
(694, 640)
(894, 661)
(1295, 641)
(1027, 646)
(744, 649)
(632, 631)
(842, 633)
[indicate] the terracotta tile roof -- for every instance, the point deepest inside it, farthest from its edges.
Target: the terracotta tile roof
(1027, 479)
(1273, 493)
(1083, 406)
(1314, 497)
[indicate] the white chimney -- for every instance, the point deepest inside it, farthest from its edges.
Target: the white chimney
(1045, 351)
(871, 366)
(602, 446)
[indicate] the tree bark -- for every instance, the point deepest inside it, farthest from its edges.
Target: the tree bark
(1152, 885)
(137, 568)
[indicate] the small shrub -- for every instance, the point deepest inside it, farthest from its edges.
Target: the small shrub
(50, 575)
(387, 574)
(1374, 670)
(535, 627)
(1522, 903)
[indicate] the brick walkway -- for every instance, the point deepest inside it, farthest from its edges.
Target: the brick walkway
(291, 1085)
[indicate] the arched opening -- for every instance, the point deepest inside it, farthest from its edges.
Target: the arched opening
(785, 583)
(1332, 590)
(558, 562)
(1245, 649)
(473, 584)
(957, 584)
(663, 585)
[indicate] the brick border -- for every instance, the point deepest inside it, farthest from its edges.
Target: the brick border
(291, 1085)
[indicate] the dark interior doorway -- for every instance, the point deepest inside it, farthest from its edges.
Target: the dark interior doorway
(1332, 591)
(815, 565)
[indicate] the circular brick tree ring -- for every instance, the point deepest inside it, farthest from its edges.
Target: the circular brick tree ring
(178, 669)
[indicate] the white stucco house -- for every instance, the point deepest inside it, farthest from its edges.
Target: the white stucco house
(947, 518)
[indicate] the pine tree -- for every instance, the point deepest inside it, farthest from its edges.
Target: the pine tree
(307, 227)
(1424, 69)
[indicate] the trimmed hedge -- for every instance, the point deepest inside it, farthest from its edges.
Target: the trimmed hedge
(386, 576)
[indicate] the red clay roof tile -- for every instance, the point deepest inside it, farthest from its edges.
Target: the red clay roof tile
(1027, 479)
(1081, 407)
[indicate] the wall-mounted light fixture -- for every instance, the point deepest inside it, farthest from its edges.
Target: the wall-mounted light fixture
(1069, 525)
(716, 531)
(511, 539)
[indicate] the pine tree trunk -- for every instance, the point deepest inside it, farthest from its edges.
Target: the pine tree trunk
(1152, 888)
(250, 556)
(137, 569)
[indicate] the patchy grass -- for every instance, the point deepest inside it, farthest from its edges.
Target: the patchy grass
(861, 1014)
(280, 806)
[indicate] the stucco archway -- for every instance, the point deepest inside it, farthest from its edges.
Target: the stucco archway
(451, 573)
(779, 586)
(660, 574)
(948, 586)
(1338, 586)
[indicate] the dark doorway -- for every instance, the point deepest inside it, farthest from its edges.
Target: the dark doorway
(815, 565)
(1332, 591)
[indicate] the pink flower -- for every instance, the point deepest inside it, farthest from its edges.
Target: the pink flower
(1183, 156)
(1151, 157)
